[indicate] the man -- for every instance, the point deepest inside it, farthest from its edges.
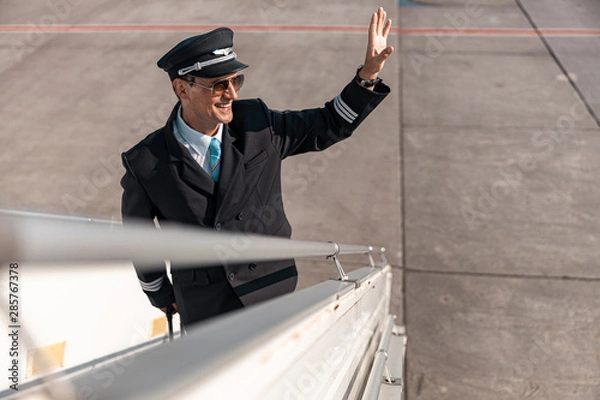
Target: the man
(217, 164)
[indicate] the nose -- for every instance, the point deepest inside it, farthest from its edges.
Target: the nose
(230, 93)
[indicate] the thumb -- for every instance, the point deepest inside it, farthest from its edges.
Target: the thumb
(386, 53)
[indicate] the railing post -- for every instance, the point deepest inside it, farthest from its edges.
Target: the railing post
(338, 265)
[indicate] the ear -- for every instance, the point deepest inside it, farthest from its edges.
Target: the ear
(181, 88)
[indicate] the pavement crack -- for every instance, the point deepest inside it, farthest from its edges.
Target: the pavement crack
(503, 275)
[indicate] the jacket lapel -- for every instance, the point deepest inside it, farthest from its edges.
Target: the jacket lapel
(193, 175)
(189, 171)
(230, 188)
(232, 171)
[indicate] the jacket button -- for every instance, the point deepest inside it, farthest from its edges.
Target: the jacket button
(251, 266)
(240, 216)
(231, 276)
(218, 226)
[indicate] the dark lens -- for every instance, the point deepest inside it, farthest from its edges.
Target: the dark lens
(238, 82)
(220, 87)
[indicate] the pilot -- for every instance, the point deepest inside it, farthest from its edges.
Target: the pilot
(216, 164)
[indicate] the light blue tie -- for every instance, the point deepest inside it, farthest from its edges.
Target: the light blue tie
(215, 158)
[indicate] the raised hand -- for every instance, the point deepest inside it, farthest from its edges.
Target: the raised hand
(377, 49)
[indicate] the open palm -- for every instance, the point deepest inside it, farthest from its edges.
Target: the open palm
(377, 49)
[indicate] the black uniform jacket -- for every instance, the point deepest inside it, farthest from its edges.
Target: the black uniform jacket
(163, 181)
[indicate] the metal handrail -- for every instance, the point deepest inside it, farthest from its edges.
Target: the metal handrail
(374, 380)
(26, 236)
(56, 217)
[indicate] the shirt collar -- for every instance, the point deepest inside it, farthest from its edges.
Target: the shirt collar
(197, 140)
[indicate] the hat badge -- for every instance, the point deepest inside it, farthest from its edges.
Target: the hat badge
(223, 52)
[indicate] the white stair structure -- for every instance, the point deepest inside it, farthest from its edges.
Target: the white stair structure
(334, 340)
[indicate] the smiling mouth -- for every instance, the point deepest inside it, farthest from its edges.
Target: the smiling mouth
(224, 105)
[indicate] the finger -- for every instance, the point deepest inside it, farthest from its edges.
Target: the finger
(380, 19)
(386, 29)
(373, 26)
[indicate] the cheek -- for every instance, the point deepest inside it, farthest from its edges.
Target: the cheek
(207, 107)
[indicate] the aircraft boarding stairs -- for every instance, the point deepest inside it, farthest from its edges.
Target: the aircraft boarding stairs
(333, 340)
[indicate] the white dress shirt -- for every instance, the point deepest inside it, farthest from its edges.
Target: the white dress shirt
(196, 142)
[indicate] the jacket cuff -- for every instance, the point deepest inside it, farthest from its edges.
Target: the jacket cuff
(355, 102)
(162, 297)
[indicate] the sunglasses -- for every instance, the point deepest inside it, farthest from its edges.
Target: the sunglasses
(219, 87)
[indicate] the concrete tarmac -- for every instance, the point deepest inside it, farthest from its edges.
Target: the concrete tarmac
(479, 173)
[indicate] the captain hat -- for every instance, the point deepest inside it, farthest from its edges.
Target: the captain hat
(206, 56)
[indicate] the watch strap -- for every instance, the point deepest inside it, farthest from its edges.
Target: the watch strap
(367, 83)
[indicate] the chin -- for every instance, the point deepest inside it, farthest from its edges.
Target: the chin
(226, 119)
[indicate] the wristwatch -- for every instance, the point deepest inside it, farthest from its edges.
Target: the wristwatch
(364, 82)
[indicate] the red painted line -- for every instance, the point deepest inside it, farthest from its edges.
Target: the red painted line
(168, 28)
(499, 32)
(295, 28)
